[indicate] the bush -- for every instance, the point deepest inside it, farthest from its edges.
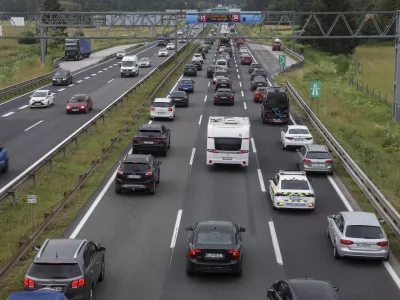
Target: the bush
(27, 41)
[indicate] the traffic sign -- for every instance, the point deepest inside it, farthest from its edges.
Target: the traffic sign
(315, 89)
(32, 199)
(282, 60)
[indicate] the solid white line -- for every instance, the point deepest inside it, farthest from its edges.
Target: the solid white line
(340, 194)
(8, 114)
(79, 81)
(253, 145)
(260, 178)
(240, 83)
(110, 80)
(291, 119)
(22, 107)
(244, 104)
(60, 90)
(176, 228)
(392, 273)
(242, 93)
(205, 98)
(238, 76)
(201, 117)
(270, 84)
(175, 85)
(192, 156)
(87, 77)
(275, 243)
(71, 85)
(151, 121)
(93, 75)
(34, 125)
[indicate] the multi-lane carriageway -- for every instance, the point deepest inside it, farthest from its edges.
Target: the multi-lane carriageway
(29, 134)
(145, 238)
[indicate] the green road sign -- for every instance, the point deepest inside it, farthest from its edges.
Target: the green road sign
(315, 89)
(282, 60)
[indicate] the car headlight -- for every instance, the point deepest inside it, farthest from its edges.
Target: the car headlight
(64, 79)
(68, 107)
(82, 106)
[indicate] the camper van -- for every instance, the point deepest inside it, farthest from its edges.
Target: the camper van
(129, 66)
(228, 141)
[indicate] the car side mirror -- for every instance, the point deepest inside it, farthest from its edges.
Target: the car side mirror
(101, 248)
(331, 216)
(159, 163)
(242, 229)
(189, 228)
(336, 288)
(67, 101)
(271, 290)
(381, 220)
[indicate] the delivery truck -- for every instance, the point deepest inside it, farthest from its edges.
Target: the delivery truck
(77, 49)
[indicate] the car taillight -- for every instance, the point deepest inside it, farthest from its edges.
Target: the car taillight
(346, 242)
(230, 97)
(135, 140)
(253, 82)
(194, 252)
(288, 138)
(216, 96)
(78, 283)
(309, 138)
(29, 283)
(170, 109)
(329, 161)
(119, 172)
(159, 140)
(383, 244)
(234, 253)
(148, 173)
(212, 150)
(307, 160)
(243, 151)
(152, 108)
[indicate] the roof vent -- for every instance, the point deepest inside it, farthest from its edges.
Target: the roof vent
(230, 121)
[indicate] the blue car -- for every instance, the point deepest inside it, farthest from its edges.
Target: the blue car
(186, 84)
(3, 159)
(38, 295)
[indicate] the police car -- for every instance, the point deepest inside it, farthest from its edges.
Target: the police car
(291, 190)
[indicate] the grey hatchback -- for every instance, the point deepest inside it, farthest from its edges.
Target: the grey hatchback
(315, 158)
(72, 267)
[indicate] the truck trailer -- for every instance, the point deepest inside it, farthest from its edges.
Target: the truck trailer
(77, 49)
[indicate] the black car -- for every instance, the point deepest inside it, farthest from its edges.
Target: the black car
(203, 49)
(258, 81)
(203, 53)
(223, 83)
(302, 288)
(62, 77)
(190, 70)
(214, 246)
(224, 96)
(152, 138)
(258, 72)
(180, 98)
(210, 71)
(71, 266)
(138, 172)
(198, 64)
(254, 66)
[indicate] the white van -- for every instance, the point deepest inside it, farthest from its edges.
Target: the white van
(222, 64)
(129, 66)
(228, 141)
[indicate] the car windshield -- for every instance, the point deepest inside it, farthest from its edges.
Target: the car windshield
(219, 73)
(53, 271)
(259, 72)
(298, 131)
(364, 232)
(292, 184)
(197, 55)
(149, 133)
(133, 167)
(127, 63)
(79, 99)
(223, 92)
(221, 63)
(214, 237)
(162, 104)
(61, 73)
(259, 79)
(318, 155)
(170, 44)
(39, 94)
(178, 94)
(144, 59)
(223, 82)
(164, 49)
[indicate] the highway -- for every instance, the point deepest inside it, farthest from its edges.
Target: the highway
(29, 133)
(144, 234)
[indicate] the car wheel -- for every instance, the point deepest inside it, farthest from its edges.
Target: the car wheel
(327, 233)
(152, 190)
(87, 110)
(283, 146)
(387, 257)
(335, 253)
(103, 271)
(118, 190)
(164, 153)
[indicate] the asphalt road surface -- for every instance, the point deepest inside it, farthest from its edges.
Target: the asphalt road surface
(144, 234)
(29, 133)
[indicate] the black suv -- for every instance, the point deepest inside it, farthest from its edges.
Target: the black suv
(225, 83)
(190, 70)
(62, 77)
(138, 172)
(258, 81)
(72, 267)
(152, 138)
(198, 64)
(180, 98)
(210, 71)
(258, 72)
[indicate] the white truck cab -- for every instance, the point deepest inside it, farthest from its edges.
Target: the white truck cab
(129, 66)
(228, 141)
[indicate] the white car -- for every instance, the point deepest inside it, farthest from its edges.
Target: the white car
(121, 54)
(144, 62)
(179, 32)
(291, 190)
(163, 52)
(196, 27)
(181, 41)
(41, 98)
(197, 57)
(163, 108)
(170, 46)
(295, 136)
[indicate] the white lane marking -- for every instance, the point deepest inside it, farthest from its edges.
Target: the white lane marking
(105, 69)
(244, 104)
(201, 117)
(242, 93)
(100, 72)
(176, 228)
(79, 81)
(151, 121)
(392, 273)
(34, 125)
(340, 194)
(240, 83)
(60, 90)
(291, 119)
(87, 77)
(253, 145)
(173, 88)
(110, 80)
(208, 84)
(115, 64)
(8, 114)
(110, 67)
(238, 76)
(236, 67)
(22, 107)
(71, 85)
(260, 178)
(237, 70)
(270, 84)
(192, 156)
(275, 243)
(205, 98)
(93, 75)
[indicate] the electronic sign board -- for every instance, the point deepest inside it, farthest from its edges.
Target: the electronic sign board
(239, 17)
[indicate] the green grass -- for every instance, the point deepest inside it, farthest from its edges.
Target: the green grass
(254, 31)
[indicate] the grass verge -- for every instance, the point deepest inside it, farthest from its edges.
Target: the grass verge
(15, 222)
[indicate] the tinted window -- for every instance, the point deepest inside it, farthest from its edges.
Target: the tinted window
(129, 167)
(221, 63)
(162, 104)
(61, 73)
(259, 79)
(186, 81)
(150, 133)
(144, 60)
(79, 99)
(364, 232)
(50, 271)
(214, 237)
(127, 64)
(277, 100)
(318, 155)
(298, 131)
(178, 94)
(39, 94)
(223, 92)
(219, 73)
(294, 185)
(228, 144)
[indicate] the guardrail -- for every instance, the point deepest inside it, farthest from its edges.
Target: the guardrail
(295, 55)
(47, 220)
(390, 215)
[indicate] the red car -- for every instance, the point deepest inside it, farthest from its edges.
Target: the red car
(240, 42)
(246, 60)
(276, 47)
(79, 103)
(259, 94)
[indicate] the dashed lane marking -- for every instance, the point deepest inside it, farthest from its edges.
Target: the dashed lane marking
(110, 80)
(8, 114)
(79, 81)
(60, 90)
(23, 107)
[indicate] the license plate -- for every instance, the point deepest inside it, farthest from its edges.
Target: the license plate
(227, 158)
(134, 176)
(75, 109)
(295, 204)
(318, 165)
(58, 288)
(363, 246)
(147, 142)
(296, 198)
(298, 140)
(37, 103)
(161, 113)
(214, 255)
(259, 83)
(185, 88)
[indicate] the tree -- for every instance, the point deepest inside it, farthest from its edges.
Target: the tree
(52, 5)
(284, 5)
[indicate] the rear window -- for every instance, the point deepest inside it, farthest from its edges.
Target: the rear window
(298, 131)
(214, 237)
(162, 104)
(277, 100)
(149, 133)
(318, 155)
(129, 167)
(53, 271)
(364, 232)
(223, 92)
(218, 73)
(228, 144)
(301, 185)
(178, 94)
(261, 90)
(186, 81)
(221, 63)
